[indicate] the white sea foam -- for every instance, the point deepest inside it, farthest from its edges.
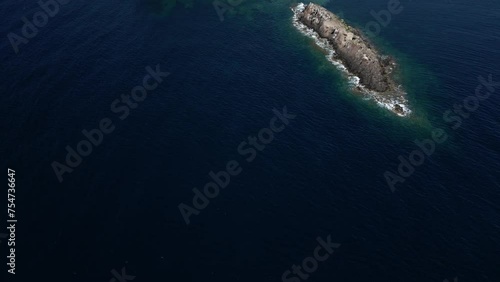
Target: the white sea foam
(382, 100)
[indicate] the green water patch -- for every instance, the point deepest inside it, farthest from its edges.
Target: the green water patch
(418, 81)
(410, 72)
(276, 15)
(274, 18)
(415, 78)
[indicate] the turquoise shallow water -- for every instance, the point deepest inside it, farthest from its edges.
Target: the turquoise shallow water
(324, 174)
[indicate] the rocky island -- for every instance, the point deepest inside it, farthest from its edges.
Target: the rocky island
(355, 54)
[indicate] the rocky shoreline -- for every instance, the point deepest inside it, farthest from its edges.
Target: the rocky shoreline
(371, 70)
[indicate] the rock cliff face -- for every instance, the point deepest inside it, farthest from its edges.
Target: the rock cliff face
(351, 48)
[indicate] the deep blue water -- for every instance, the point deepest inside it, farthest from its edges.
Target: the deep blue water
(322, 175)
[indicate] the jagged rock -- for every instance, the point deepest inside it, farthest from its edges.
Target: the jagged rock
(351, 48)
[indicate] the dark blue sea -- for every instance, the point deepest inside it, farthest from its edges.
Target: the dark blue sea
(115, 216)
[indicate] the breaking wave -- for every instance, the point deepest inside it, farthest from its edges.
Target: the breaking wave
(385, 101)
